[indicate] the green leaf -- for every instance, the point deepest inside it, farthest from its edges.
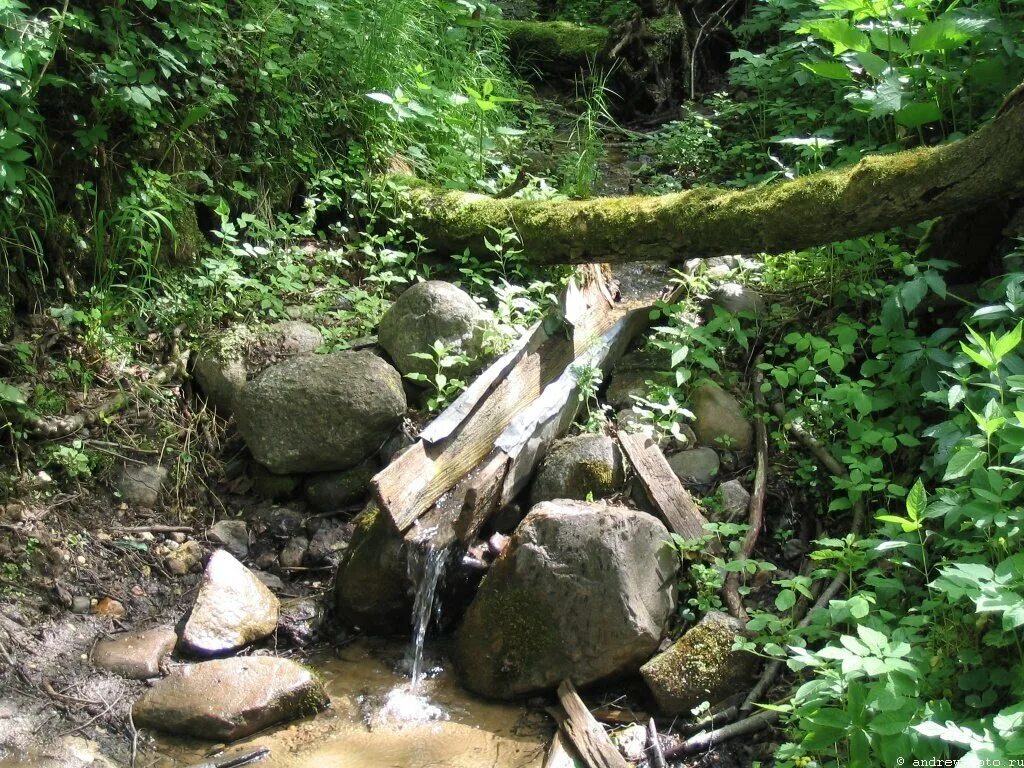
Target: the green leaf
(785, 600)
(917, 501)
(11, 394)
(832, 70)
(963, 462)
(918, 113)
(842, 34)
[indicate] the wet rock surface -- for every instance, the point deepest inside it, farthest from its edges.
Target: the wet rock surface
(583, 591)
(320, 413)
(228, 699)
(135, 655)
(372, 588)
(578, 467)
(700, 666)
(232, 610)
(434, 311)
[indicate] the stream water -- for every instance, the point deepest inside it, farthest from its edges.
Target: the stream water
(357, 732)
(426, 567)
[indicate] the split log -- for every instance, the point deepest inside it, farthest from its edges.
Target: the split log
(504, 473)
(672, 501)
(585, 732)
(878, 193)
(465, 433)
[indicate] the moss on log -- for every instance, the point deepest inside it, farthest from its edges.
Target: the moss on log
(879, 192)
(553, 47)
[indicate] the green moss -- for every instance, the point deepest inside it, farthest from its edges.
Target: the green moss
(6, 315)
(555, 47)
(505, 631)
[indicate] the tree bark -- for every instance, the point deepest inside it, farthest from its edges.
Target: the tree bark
(879, 192)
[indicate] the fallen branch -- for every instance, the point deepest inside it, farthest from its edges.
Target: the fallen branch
(233, 761)
(586, 734)
(835, 586)
(152, 529)
(654, 749)
(731, 588)
(705, 741)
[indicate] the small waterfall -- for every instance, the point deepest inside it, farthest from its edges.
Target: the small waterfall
(426, 567)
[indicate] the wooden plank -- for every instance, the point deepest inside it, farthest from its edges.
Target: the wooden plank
(585, 732)
(417, 478)
(666, 492)
(482, 496)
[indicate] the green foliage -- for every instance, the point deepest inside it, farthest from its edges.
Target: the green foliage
(443, 382)
(579, 169)
(878, 73)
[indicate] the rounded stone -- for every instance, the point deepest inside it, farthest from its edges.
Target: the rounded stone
(580, 467)
(429, 312)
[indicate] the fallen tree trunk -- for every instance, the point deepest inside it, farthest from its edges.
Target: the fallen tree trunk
(879, 192)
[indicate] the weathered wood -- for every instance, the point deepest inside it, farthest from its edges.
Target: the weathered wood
(664, 489)
(705, 741)
(482, 495)
(561, 753)
(585, 732)
(416, 479)
(878, 193)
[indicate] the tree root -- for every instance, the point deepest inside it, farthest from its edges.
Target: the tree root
(705, 741)
(54, 427)
(730, 591)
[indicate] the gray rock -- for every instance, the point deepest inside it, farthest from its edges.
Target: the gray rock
(320, 413)
(626, 386)
(328, 543)
(578, 466)
(232, 609)
(735, 501)
(293, 553)
(141, 484)
(631, 742)
(735, 298)
(232, 535)
(234, 357)
(696, 468)
(372, 588)
(433, 311)
(329, 491)
(583, 591)
(136, 655)
(271, 581)
(301, 620)
(228, 699)
(700, 666)
(719, 421)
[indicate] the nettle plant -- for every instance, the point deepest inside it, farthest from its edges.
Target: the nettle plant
(924, 656)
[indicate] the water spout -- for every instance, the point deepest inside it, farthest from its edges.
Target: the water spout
(426, 567)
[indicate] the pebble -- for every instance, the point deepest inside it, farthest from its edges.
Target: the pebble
(107, 606)
(80, 604)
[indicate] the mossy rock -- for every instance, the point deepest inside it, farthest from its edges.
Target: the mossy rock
(553, 47)
(581, 467)
(372, 588)
(700, 666)
(583, 591)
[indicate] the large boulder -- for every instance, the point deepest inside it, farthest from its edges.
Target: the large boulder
(372, 588)
(429, 312)
(700, 666)
(718, 419)
(578, 467)
(233, 608)
(227, 362)
(229, 699)
(583, 591)
(320, 413)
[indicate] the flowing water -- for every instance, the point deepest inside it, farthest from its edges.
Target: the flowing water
(426, 567)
